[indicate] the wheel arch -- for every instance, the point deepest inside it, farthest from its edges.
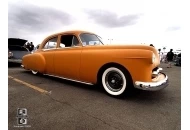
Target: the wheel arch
(113, 64)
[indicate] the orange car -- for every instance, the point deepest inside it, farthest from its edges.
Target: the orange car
(81, 56)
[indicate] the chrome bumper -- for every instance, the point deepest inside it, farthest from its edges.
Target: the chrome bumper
(15, 60)
(153, 86)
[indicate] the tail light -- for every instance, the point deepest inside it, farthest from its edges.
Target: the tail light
(10, 54)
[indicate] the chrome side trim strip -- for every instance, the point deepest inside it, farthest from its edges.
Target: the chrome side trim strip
(69, 79)
(15, 60)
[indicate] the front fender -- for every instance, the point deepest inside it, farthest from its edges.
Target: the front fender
(133, 54)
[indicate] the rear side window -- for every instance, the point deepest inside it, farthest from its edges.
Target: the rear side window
(52, 43)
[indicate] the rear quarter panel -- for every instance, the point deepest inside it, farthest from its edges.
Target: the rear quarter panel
(34, 61)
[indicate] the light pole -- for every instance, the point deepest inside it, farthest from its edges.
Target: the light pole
(110, 40)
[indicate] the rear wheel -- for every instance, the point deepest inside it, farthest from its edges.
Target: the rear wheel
(115, 81)
(34, 72)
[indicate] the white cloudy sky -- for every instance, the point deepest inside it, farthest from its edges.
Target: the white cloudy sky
(158, 22)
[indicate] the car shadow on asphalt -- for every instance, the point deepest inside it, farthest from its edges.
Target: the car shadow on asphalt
(142, 95)
(132, 94)
(13, 65)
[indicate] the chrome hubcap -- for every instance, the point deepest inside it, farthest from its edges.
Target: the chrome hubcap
(114, 81)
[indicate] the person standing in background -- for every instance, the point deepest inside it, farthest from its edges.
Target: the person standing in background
(161, 57)
(31, 46)
(170, 56)
(28, 46)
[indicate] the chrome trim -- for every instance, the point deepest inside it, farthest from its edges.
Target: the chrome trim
(69, 79)
(69, 47)
(15, 60)
(73, 39)
(80, 39)
(153, 58)
(157, 71)
(48, 49)
(152, 86)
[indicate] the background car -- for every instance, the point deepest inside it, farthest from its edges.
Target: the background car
(178, 60)
(16, 50)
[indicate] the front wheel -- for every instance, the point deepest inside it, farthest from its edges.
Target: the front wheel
(114, 81)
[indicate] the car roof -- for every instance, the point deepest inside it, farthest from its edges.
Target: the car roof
(72, 32)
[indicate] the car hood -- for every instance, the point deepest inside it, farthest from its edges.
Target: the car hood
(16, 41)
(132, 46)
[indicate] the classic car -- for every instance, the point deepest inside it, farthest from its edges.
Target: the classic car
(16, 50)
(81, 56)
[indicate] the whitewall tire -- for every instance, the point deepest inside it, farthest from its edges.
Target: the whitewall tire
(114, 81)
(34, 72)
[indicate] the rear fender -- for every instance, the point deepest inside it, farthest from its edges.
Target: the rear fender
(35, 61)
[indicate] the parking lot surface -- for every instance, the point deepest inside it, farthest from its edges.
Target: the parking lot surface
(57, 104)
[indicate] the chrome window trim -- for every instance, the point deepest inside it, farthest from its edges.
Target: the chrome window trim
(72, 40)
(68, 47)
(48, 49)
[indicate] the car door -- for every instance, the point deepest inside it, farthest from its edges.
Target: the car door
(67, 57)
(48, 51)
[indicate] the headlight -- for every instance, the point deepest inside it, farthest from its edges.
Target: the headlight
(153, 58)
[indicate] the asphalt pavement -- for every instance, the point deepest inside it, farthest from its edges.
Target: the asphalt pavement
(57, 104)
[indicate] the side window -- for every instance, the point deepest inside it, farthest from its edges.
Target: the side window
(75, 41)
(52, 43)
(69, 41)
(90, 39)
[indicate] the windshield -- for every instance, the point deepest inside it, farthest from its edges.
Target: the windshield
(90, 39)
